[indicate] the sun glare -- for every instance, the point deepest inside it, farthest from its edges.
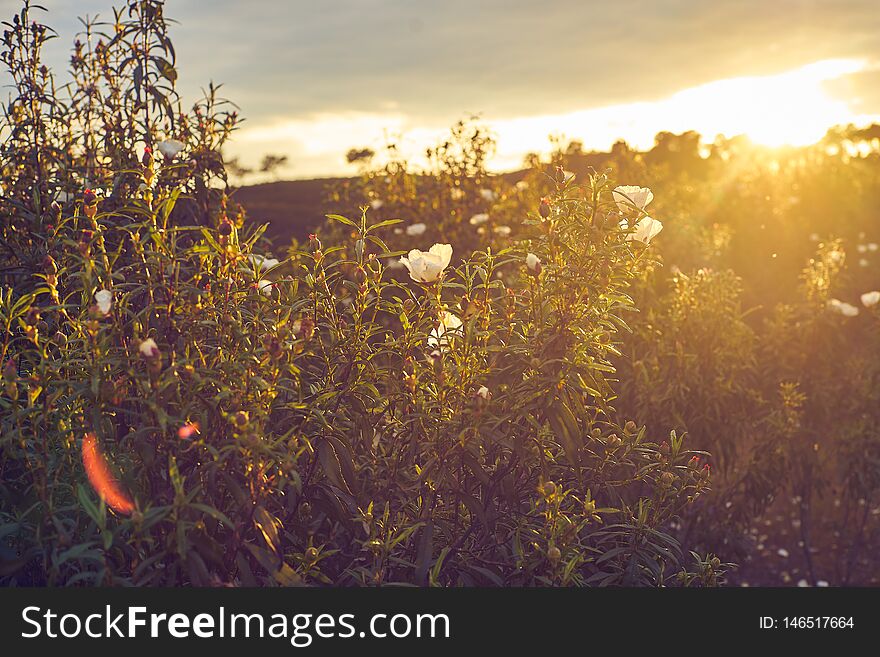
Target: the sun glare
(789, 108)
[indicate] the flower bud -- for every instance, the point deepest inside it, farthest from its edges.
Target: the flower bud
(544, 208)
(533, 263)
(241, 419)
(10, 370)
(49, 265)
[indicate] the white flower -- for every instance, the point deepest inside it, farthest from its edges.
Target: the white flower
(415, 230)
(630, 197)
(533, 262)
(265, 287)
(646, 229)
(836, 257)
(873, 246)
(522, 185)
(104, 299)
(148, 348)
(802, 583)
(377, 203)
(170, 148)
(568, 175)
(504, 231)
(870, 299)
(488, 195)
(822, 583)
(782, 552)
(262, 263)
(483, 392)
(478, 219)
(428, 266)
(862, 248)
(449, 324)
(843, 308)
(863, 262)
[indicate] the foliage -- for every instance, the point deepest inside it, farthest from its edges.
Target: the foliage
(178, 408)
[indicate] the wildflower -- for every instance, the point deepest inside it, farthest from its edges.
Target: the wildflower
(863, 262)
(265, 287)
(188, 430)
(449, 323)
(488, 195)
(149, 349)
(645, 230)
(428, 266)
(479, 219)
(870, 299)
(629, 197)
(262, 263)
(522, 185)
(483, 393)
(414, 230)
(102, 479)
(843, 308)
(533, 263)
(872, 246)
(782, 552)
(377, 203)
(503, 231)
(170, 148)
(862, 248)
(104, 299)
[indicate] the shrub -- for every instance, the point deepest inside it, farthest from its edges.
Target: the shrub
(178, 408)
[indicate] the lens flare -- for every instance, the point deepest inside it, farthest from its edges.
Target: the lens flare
(102, 479)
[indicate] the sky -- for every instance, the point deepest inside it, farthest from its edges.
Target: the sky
(314, 79)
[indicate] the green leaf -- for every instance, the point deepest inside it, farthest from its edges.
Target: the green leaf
(268, 526)
(341, 219)
(564, 425)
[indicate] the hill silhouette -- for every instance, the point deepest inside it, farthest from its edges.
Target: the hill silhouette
(295, 208)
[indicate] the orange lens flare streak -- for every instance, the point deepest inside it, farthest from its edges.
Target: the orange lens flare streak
(102, 479)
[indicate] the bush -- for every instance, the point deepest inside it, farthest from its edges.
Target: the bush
(179, 408)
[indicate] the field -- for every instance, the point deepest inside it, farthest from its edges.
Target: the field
(641, 367)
